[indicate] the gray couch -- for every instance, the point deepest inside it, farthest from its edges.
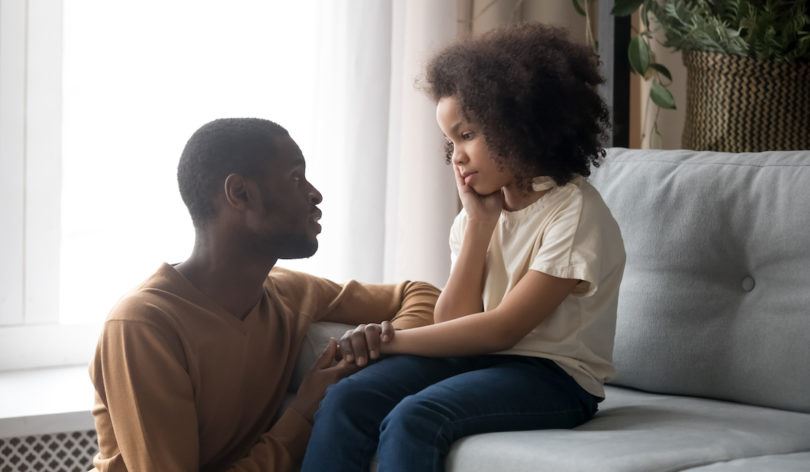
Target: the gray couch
(713, 335)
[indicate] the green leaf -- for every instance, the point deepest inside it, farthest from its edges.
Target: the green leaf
(625, 7)
(639, 55)
(661, 96)
(661, 70)
(578, 7)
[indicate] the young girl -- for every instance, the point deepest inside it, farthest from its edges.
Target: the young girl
(524, 328)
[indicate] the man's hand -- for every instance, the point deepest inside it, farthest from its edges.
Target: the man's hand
(362, 343)
(324, 373)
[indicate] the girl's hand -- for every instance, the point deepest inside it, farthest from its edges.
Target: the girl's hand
(481, 208)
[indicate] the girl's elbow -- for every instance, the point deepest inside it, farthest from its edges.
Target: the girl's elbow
(503, 340)
(440, 316)
(440, 311)
(507, 337)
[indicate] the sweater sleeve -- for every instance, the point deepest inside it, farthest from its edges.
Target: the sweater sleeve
(281, 449)
(416, 309)
(145, 414)
(407, 304)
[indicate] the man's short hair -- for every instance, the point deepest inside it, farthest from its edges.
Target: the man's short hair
(220, 148)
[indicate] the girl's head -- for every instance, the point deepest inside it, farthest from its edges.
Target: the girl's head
(523, 97)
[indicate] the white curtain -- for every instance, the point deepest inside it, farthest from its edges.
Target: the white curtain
(389, 218)
(376, 135)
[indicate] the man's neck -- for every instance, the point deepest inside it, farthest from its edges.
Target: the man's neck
(227, 274)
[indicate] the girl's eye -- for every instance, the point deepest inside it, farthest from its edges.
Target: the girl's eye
(467, 135)
(448, 151)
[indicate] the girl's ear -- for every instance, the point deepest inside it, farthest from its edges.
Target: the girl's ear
(238, 192)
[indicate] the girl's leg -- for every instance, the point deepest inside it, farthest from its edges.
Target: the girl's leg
(347, 424)
(506, 393)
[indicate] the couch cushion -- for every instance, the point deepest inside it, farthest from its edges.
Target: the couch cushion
(637, 431)
(798, 462)
(633, 431)
(715, 300)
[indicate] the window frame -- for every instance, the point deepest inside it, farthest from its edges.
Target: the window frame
(30, 187)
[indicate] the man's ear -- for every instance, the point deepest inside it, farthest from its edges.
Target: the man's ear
(239, 193)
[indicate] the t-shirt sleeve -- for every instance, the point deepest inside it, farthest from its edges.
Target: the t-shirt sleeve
(457, 236)
(568, 248)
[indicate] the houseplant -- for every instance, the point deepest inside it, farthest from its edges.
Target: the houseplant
(748, 65)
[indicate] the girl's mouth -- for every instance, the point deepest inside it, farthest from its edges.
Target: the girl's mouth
(467, 176)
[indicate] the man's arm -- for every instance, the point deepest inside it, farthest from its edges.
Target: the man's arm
(415, 301)
(383, 306)
(147, 419)
(282, 448)
(406, 305)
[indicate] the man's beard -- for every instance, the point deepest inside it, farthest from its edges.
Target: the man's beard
(292, 246)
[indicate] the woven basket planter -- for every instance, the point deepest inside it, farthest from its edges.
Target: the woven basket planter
(739, 104)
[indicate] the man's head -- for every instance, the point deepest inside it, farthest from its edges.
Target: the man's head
(246, 176)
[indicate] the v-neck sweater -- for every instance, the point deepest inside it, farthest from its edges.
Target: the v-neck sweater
(181, 384)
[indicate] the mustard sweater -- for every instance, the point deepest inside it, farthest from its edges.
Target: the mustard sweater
(182, 385)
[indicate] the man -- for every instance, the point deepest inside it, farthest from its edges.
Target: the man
(192, 367)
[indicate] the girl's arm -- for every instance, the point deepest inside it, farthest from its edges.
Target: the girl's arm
(463, 293)
(533, 299)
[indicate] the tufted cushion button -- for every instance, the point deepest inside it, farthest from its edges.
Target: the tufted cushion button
(748, 284)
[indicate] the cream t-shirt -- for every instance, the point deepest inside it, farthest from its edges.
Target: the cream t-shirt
(569, 233)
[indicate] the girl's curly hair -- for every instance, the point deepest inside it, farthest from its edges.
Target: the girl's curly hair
(534, 94)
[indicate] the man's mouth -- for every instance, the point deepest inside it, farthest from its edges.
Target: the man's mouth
(315, 216)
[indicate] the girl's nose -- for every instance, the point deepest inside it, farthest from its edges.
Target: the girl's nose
(459, 157)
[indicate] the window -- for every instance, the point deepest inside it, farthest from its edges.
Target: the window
(93, 122)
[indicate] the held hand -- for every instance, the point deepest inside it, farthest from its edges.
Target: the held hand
(324, 373)
(483, 208)
(363, 342)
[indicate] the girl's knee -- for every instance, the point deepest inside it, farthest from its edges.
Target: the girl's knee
(355, 393)
(416, 413)
(341, 396)
(416, 424)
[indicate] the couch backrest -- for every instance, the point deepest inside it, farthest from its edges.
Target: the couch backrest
(715, 300)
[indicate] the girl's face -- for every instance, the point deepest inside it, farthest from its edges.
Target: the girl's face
(470, 153)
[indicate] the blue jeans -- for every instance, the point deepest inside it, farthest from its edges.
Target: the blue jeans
(410, 409)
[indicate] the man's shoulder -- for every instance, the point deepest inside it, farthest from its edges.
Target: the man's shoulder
(302, 293)
(150, 302)
(286, 280)
(142, 306)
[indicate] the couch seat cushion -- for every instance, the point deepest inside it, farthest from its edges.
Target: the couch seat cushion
(636, 431)
(798, 462)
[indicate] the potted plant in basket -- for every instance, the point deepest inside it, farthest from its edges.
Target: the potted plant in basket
(748, 66)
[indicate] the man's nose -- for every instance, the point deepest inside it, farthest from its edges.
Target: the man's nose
(314, 195)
